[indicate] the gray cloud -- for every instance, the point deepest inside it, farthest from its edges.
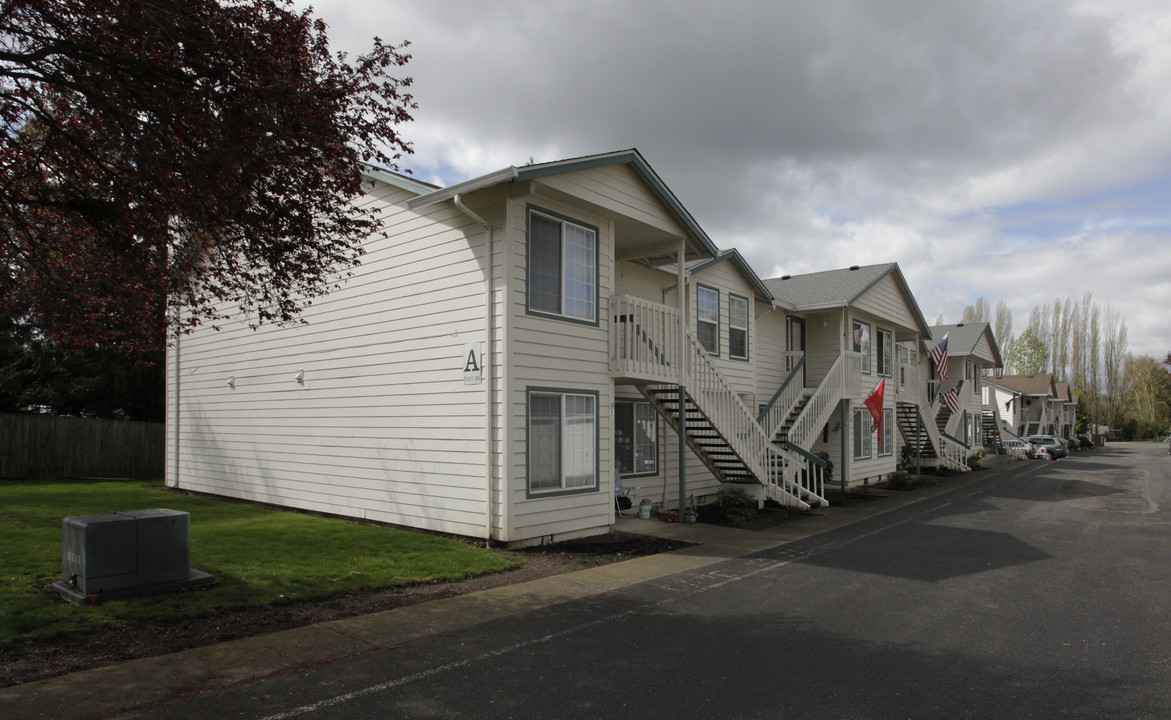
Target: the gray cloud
(817, 135)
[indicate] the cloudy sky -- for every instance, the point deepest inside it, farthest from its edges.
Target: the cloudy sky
(1012, 150)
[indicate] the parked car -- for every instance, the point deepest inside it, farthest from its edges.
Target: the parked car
(1055, 445)
(1020, 448)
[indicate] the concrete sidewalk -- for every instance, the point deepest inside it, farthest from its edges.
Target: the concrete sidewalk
(141, 683)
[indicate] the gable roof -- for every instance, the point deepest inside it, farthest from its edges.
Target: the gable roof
(694, 267)
(631, 157)
(962, 339)
(1040, 384)
(839, 288)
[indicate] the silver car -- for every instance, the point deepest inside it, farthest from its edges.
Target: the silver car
(1055, 445)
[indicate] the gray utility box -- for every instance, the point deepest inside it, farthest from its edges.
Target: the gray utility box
(123, 554)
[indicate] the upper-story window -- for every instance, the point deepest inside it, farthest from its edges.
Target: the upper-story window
(737, 327)
(563, 267)
(977, 374)
(886, 352)
(861, 343)
(707, 318)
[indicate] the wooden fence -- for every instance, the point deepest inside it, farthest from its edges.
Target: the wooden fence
(46, 446)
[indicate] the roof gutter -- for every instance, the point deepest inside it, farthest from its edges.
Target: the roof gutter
(506, 175)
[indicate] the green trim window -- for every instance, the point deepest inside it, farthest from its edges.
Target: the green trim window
(562, 267)
(562, 440)
(707, 318)
(886, 438)
(861, 344)
(737, 327)
(862, 432)
(886, 353)
(636, 438)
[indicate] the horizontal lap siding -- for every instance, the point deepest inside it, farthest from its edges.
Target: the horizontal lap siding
(728, 280)
(382, 426)
(823, 345)
(887, 301)
(553, 353)
(983, 352)
(769, 350)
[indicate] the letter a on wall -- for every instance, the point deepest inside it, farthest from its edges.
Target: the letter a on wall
(473, 363)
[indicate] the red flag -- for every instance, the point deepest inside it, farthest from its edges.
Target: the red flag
(874, 403)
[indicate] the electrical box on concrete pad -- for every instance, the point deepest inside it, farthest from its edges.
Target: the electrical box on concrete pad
(126, 554)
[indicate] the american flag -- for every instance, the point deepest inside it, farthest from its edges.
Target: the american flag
(939, 357)
(1056, 426)
(951, 398)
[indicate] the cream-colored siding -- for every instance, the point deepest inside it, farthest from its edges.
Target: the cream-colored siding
(559, 354)
(362, 411)
(769, 348)
(886, 300)
(823, 343)
(982, 353)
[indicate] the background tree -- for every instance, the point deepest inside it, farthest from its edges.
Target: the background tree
(201, 151)
(1147, 398)
(979, 311)
(1002, 329)
(1114, 353)
(1030, 356)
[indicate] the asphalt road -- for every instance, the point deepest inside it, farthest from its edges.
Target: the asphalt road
(1038, 593)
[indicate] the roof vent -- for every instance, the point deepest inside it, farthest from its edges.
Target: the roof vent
(853, 267)
(786, 277)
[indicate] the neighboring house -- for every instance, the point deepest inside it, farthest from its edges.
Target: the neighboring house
(1035, 405)
(971, 350)
(505, 345)
(1066, 410)
(846, 331)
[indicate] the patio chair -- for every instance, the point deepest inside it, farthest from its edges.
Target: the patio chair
(624, 497)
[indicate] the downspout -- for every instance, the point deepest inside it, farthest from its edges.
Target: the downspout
(681, 279)
(486, 364)
(175, 419)
(847, 420)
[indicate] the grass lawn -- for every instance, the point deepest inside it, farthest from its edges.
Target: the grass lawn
(260, 557)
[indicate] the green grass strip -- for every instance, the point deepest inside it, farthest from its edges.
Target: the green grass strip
(259, 556)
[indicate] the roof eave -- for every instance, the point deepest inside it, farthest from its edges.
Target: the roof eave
(507, 174)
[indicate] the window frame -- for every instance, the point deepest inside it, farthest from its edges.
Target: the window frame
(635, 406)
(863, 346)
(977, 374)
(561, 488)
(733, 298)
(886, 437)
(562, 220)
(886, 349)
(860, 437)
(699, 290)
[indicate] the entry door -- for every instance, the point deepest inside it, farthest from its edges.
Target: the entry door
(796, 342)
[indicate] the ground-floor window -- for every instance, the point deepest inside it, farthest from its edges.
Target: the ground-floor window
(886, 437)
(562, 440)
(861, 433)
(636, 438)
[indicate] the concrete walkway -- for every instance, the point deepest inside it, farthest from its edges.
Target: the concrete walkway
(106, 691)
